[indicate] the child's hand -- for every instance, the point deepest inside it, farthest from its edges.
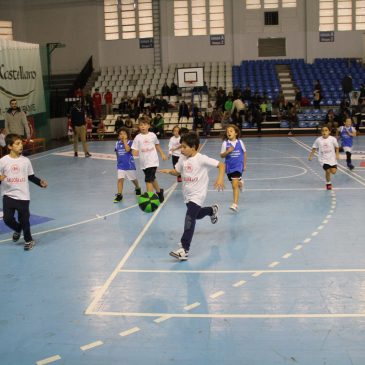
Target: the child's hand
(310, 157)
(2, 177)
(230, 149)
(163, 156)
(44, 183)
(164, 171)
(219, 184)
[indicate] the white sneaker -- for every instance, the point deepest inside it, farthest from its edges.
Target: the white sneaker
(180, 254)
(214, 216)
(234, 207)
(240, 184)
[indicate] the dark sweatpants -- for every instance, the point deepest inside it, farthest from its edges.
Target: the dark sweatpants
(193, 213)
(11, 205)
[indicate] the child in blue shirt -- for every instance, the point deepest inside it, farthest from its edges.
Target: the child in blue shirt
(234, 151)
(347, 133)
(125, 163)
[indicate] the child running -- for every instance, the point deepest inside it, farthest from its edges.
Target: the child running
(175, 147)
(145, 145)
(328, 153)
(125, 163)
(234, 151)
(347, 133)
(194, 168)
(15, 171)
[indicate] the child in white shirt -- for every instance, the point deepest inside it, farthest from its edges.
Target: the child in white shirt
(145, 145)
(328, 153)
(175, 147)
(194, 168)
(15, 171)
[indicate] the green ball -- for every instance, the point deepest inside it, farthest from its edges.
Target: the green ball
(148, 202)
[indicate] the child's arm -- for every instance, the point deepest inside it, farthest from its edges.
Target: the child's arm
(219, 183)
(159, 149)
(227, 152)
(353, 133)
(245, 161)
(312, 154)
(337, 149)
(135, 153)
(126, 145)
(35, 180)
(169, 171)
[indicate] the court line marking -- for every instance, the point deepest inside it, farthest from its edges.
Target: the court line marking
(288, 189)
(91, 345)
(129, 332)
(101, 291)
(48, 360)
(217, 294)
(231, 315)
(192, 306)
(161, 319)
(275, 263)
(255, 272)
(279, 177)
(239, 283)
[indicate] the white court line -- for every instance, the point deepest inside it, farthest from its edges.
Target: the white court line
(216, 294)
(288, 189)
(192, 306)
(129, 332)
(254, 272)
(275, 263)
(233, 315)
(314, 234)
(91, 345)
(48, 360)
(100, 292)
(287, 255)
(298, 247)
(239, 283)
(161, 319)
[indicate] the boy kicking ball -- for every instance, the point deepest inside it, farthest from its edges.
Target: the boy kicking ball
(193, 168)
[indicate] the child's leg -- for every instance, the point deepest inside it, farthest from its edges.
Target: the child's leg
(333, 170)
(120, 186)
(149, 186)
(9, 207)
(24, 215)
(328, 176)
(236, 190)
(136, 184)
(156, 186)
(193, 213)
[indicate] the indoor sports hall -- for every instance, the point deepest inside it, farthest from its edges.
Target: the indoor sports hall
(284, 275)
(280, 281)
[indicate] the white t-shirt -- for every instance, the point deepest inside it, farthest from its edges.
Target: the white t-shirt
(173, 143)
(145, 144)
(326, 150)
(16, 170)
(194, 173)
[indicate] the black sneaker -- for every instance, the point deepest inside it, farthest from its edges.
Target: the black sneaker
(87, 154)
(28, 245)
(16, 236)
(138, 191)
(350, 166)
(214, 216)
(161, 198)
(76, 154)
(118, 198)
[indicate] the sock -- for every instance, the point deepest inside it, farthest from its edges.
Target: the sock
(348, 158)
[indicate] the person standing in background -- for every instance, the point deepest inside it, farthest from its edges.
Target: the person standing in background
(79, 128)
(16, 121)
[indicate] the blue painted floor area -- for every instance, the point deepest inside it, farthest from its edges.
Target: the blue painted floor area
(280, 282)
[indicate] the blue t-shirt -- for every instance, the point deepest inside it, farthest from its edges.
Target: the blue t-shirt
(125, 160)
(234, 161)
(346, 139)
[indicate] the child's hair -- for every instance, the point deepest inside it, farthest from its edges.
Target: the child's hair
(325, 126)
(191, 139)
(144, 120)
(126, 130)
(176, 126)
(236, 129)
(11, 138)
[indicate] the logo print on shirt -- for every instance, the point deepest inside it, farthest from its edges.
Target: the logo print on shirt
(189, 168)
(14, 169)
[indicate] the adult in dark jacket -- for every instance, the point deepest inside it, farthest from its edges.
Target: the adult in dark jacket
(79, 128)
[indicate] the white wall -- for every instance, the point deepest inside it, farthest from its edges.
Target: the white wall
(79, 24)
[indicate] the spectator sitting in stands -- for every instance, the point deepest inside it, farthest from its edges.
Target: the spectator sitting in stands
(226, 119)
(362, 91)
(354, 99)
(140, 100)
(101, 130)
(298, 98)
(198, 121)
(246, 96)
(209, 122)
(173, 89)
(128, 123)
(183, 110)
(158, 125)
(220, 98)
(217, 115)
(228, 104)
(331, 121)
(118, 124)
(165, 90)
(161, 105)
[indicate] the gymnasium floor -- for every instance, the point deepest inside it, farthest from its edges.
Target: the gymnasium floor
(281, 282)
